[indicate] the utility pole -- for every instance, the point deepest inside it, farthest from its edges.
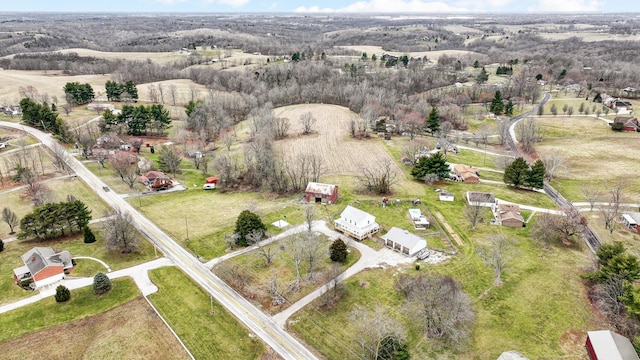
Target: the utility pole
(186, 225)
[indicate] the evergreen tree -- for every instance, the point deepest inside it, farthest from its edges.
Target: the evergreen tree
(434, 164)
(508, 109)
(246, 223)
(497, 106)
(516, 173)
(62, 294)
(483, 76)
(113, 90)
(88, 235)
(433, 121)
(101, 283)
(535, 178)
(338, 251)
(476, 64)
(1, 245)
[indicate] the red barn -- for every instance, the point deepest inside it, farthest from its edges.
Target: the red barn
(607, 345)
(321, 193)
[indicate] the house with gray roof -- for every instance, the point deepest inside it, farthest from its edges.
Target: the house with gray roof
(43, 266)
(607, 345)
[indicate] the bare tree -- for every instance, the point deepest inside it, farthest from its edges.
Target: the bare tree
(153, 94)
(529, 133)
(296, 250)
(161, 92)
(119, 231)
(543, 231)
(379, 179)
(312, 246)
(281, 127)
(59, 157)
(228, 139)
(372, 328)
(554, 162)
(591, 193)
(503, 161)
(307, 120)
(86, 141)
(445, 128)
(483, 133)
(439, 306)
(173, 92)
(497, 255)
(472, 213)
(11, 219)
(502, 129)
(124, 165)
(309, 217)
(266, 251)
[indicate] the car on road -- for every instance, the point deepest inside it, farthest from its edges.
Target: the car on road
(105, 188)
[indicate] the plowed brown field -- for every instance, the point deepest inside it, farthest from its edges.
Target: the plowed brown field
(342, 155)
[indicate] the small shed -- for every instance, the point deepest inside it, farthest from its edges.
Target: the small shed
(607, 345)
(403, 241)
(321, 193)
(631, 220)
(445, 196)
(481, 199)
(420, 222)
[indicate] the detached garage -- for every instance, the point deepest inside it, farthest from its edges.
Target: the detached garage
(403, 241)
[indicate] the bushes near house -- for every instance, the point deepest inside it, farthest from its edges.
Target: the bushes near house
(101, 284)
(62, 294)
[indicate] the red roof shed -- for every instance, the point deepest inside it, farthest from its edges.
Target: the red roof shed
(212, 180)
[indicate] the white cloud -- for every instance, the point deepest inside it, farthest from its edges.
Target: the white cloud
(387, 6)
(232, 3)
(566, 6)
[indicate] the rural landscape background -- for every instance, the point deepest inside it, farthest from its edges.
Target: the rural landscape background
(266, 104)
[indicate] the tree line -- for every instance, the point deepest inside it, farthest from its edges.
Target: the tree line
(52, 220)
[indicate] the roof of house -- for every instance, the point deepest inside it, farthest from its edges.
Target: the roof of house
(445, 193)
(512, 355)
(357, 216)
(320, 188)
(39, 258)
(466, 171)
(152, 175)
(509, 212)
(404, 238)
(480, 197)
(611, 346)
(632, 217)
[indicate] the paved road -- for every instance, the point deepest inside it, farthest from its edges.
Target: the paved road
(262, 325)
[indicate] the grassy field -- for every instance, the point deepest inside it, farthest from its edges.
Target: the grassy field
(60, 189)
(204, 326)
(10, 259)
(108, 335)
(260, 275)
(541, 287)
(47, 312)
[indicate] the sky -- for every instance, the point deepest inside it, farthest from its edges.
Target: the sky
(323, 6)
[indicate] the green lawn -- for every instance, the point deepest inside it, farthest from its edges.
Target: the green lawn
(10, 259)
(541, 300)
(47, 312)
(206, 333)
(260, 275)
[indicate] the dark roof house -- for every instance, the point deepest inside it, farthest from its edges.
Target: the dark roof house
(43, 266)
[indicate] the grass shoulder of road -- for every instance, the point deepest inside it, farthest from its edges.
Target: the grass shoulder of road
(47, 312)
(112, 334)
(259, 275)
(204, 326)
(542, 298)
(10, 259)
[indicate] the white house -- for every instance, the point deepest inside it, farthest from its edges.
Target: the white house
(356, 223)
(403, 241)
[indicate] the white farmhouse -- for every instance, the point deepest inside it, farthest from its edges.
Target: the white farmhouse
(356, 223)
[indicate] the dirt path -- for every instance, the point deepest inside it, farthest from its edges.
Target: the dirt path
(444, 223)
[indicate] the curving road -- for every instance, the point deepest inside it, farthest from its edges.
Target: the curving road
(254, 319)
